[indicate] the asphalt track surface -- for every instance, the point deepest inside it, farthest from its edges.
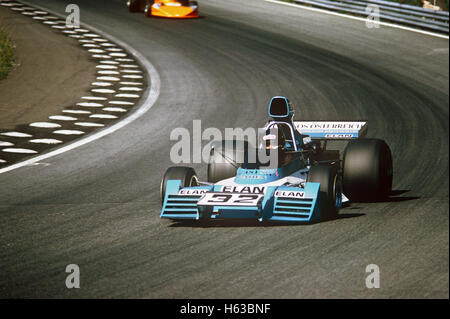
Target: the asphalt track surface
(98, 205)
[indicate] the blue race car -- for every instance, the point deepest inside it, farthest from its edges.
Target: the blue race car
(307, 184)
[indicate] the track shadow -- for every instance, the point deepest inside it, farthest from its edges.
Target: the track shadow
(350, 215)
(233, 224)
(402, 199)
(399, 192)
(393, 198)
(200, 17)
(250, 223)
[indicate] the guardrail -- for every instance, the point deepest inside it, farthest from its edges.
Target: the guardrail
(388, 11)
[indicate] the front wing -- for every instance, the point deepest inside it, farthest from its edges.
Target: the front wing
(278, 203)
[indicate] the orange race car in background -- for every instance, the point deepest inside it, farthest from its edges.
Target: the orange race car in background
(165, 8)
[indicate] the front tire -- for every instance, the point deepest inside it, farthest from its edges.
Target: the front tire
(187, 176)
(368, 170)
(330, 192)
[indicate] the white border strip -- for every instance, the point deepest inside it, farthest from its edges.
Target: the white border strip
(396, 26)
(149, 101)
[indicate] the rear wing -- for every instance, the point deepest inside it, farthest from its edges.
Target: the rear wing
(332, 130)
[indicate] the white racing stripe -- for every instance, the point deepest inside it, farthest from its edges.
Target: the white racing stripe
(128, 96)
(90, 45)
(4, 144)
(108, 78)
(19, 150)
(62, 118)
(16, 134)
(130, 88)
(148, 100)
(114, 109)
(106, 67)
(114, 50)
(130, 71)
(45, 125)
(76, 112)
(101, 56)
(124, 60)
(120, 103)
(131, 83)
(96, 51)
(103, 91)
(109, 62)
(108, 72)
(50, 141)
(94, 98)
(103, 116)
(130, 76)
(102, 84)
(118, 54)
(68, 132)
(90, 104)
(89, 124)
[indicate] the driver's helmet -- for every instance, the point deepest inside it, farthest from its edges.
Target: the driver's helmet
(278, 144)
(271, 144)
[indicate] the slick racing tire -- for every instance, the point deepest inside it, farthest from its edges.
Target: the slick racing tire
(225, 158)
(330, 192)
(148, 8)
(187, 176)
(136, 5)
(367, 170)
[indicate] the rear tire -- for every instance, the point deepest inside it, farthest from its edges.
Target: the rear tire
(368, 170)
(148, 8)
(136, 5)
(330, 192)
(187, 176)
(222, 154)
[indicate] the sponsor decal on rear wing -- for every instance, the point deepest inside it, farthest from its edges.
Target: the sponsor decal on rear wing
(332, 129)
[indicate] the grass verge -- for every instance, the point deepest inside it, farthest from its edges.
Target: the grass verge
(6, 54)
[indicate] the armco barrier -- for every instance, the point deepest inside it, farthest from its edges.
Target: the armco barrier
(388, 11)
